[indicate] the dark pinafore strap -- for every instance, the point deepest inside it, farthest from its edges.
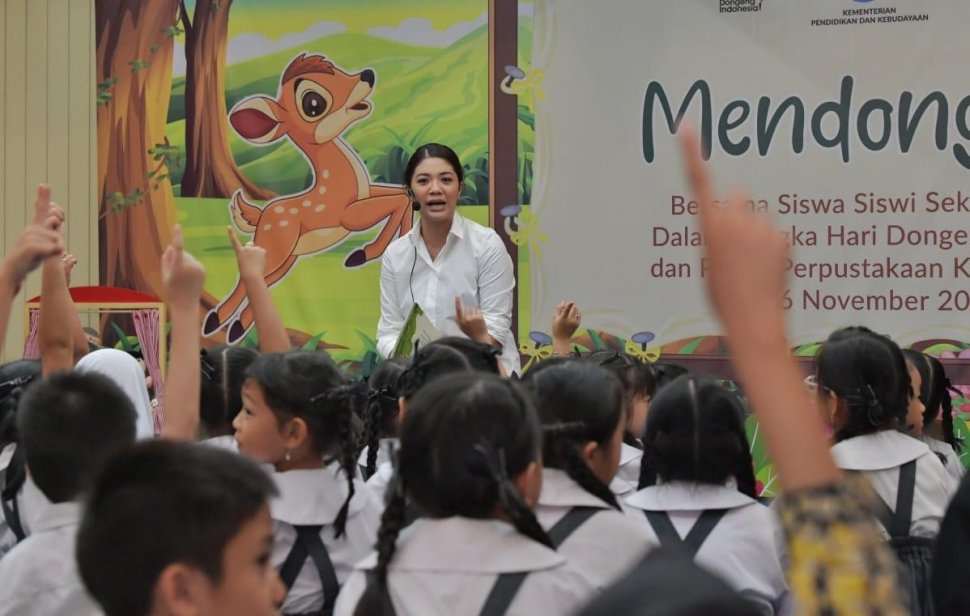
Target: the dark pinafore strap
(668, 536)
(308, 544)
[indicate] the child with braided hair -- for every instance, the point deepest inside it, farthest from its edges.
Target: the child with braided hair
(697, 491)
(470, 462)
(581, 407)
(296, 416)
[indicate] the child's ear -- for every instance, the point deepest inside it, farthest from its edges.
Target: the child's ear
(589, 452)
(181, 591)
(529, 483)
(295, 433)
(402, 406)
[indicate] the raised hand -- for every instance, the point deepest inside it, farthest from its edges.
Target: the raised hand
(251, 258)
(472, 323)
(566, 319)
(69, 261)
(33, 247)
(182, 274)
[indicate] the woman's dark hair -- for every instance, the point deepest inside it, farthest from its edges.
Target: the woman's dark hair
(223, 371)
(432, 150)
(308, 385)
(464, 438)
(935, 394)
(695, 432)
(577, 403)
(867, 372)
(482, 357)
(382, 408)
(637, 378)
(15, 377)
(429, 363)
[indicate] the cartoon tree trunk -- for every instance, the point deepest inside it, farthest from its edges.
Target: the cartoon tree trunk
(134, 76)
(210, 170)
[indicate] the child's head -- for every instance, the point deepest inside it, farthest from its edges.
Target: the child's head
(297, 413)
(639, 386)
(482, 357)
(223, 371)
(934, 391)
(915, 410)
(863, 383)
(174, 528)
(380, 417)
(14, 379)
(470, 447)
(428, 364)
(695, 433)
(68, 425)
(581, 409)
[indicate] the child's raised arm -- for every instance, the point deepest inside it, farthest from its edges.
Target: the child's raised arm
(269, 324)
(36, 243)
(565, 321)
(184, 278)
(55, 329)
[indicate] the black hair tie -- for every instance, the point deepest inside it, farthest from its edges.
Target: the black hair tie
(495, 465)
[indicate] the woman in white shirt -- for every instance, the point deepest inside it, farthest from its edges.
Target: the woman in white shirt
(470, 463)
(457, 270)
(697, 491)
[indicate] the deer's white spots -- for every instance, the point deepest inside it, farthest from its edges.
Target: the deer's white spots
(326, 174)
(293, 210)
(284, 223)
(320, 208)
(322, 190)
(278, 209)
(267, 227)
(306, 203)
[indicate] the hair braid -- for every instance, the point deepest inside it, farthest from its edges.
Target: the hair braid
(372, 429)
(579, 471)
(348, 461)
(648, 468)
(376, 598)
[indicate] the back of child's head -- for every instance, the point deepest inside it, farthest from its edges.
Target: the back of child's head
(69, 424)
(665, 373)
(636, 376)
(935, 388)
(380, 416)
(577, 403)
(482, 357)
(309, 386)
(429, 363)
(160, 503)
(695, 433)
(15, 376)
(223, 371)
(867, 373)
(463, 440)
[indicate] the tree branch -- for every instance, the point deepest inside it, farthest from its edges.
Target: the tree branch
(184, 17)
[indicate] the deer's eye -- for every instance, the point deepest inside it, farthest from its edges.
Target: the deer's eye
(312, 100)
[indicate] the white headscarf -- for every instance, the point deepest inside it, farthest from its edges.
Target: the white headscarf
(127, 374)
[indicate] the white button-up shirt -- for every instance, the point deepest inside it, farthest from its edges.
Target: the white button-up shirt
(40, 576)
(473, 265)
(447, 566)
(879, 456)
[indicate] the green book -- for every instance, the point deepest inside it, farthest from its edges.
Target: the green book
(417, 329)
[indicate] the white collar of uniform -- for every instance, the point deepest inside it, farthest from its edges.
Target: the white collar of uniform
(56, 515)
(467, 545)
(385, 450)
(457, 229)
(6, 454)
(560, 490)
(877, 451)
(686, 496)
(629, 453)
(314, 496)
(621, 487)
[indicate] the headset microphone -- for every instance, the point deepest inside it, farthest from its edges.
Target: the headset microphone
(415, 204)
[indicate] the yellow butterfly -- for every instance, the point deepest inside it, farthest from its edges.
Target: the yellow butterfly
(519, 82)
(527, 231)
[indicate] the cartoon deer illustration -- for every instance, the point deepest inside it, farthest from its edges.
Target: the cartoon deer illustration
(316, 103)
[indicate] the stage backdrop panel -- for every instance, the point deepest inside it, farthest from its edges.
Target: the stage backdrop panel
(848, 121)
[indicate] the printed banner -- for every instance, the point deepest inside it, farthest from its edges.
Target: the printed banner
(847, 119)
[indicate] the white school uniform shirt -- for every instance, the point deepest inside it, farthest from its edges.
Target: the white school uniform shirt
(226, 442)
(40, 575)
(30, 502)
(473, 265)
(953, 465)
(315, 496)
(448, 566)
(879, 456)
(607, 545)
(742, 549)
(629, 469)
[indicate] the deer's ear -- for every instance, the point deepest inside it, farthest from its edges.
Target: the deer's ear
(257, 119)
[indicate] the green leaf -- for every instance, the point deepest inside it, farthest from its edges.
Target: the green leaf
(369, 364)
(936, 349)
(313, 343)
(598, 344)
(123, 342)
(370, 345)
(691, 346)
